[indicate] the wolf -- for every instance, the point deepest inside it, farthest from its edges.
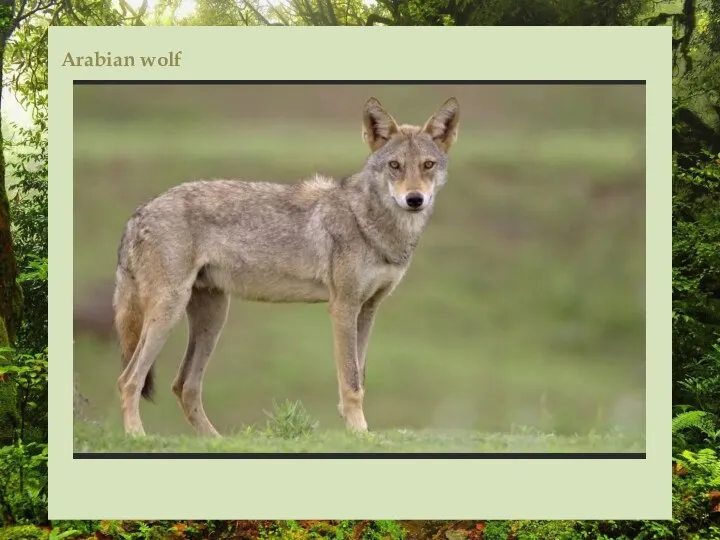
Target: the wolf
(345, 242)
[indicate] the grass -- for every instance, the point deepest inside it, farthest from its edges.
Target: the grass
(524, 304)
(89, 438)
(289, 428)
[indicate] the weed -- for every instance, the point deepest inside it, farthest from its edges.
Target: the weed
(289, 420)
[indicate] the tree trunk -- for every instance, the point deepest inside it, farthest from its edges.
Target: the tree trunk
(9, 419)
(10, 295)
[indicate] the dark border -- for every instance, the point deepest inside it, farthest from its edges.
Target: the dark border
(349, 455)
(553, 82)
(355, 455)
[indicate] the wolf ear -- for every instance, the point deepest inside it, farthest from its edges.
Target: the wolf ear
(443, 125)
(378, 125)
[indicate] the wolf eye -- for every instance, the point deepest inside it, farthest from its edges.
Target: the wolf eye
(394, 164)
(429, 164)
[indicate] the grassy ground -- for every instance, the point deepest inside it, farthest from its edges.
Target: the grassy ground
(524, 304)
(289, 428)
(88, 439)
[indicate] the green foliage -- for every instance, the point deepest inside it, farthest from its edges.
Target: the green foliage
(538, 530)
(707, 424)
(9, 417)
(63, 535)
(28, 373)
(458, 13)
(23, 483)
(6, 17)
(696, 298)
(511, 13)
(23, 532)
(691, 505)
(337, 530)
(320, 12)
(696, 262)
(702, 380)
(228, 530)
(696, 58)
(215, 13)
(696, 273)
(403, 12)
(384, 529)
(23, 373)
(132, 530)
(29, 202)
(290, 420)
(496, 530)
(75, 528)
(705, 464)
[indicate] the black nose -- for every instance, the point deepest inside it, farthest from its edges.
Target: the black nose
(414, 199)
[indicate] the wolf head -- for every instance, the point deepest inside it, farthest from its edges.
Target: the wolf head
(410, 161)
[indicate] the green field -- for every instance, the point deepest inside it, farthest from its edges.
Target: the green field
(96, 439)
(524, 307)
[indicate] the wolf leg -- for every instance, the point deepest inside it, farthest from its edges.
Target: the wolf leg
(207, 312)
(364, 327)
(345, 320)
(160, 318)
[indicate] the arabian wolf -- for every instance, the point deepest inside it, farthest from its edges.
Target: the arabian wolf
(345, 242)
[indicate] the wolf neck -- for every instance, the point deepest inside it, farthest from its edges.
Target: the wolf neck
(393, 233)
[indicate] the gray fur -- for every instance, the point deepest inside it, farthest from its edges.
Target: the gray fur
(346, 242)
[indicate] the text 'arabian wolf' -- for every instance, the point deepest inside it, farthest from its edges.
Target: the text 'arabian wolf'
(346, 242)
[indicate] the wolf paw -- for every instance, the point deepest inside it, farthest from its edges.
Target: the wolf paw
(355, 421)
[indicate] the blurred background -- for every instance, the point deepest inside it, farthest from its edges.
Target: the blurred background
(525, 302)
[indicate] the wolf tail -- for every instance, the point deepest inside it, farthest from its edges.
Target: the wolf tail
(129, 318)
